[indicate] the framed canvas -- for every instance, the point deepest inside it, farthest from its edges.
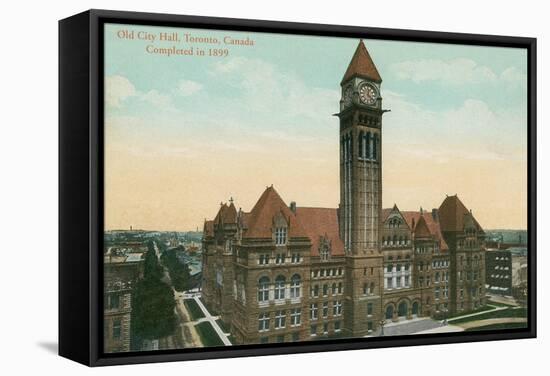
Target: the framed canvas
(236, 187)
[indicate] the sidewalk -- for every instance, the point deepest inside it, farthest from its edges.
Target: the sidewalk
(211, 319)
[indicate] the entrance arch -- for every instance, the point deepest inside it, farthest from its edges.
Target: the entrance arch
(389, 312)
(402, 309)
(415, 309)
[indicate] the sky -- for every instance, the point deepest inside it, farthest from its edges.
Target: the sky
(184, 133)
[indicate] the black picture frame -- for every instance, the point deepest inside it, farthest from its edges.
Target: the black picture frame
(81, 182)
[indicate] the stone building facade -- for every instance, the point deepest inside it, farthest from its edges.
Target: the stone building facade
(284, 273)
(122, 268)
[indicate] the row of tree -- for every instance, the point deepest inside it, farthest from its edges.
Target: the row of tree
(179, 272)
(153, 304)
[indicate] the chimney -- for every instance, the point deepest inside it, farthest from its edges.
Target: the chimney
(293, 206)
(435, 215)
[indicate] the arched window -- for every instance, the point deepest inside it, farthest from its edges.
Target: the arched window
(295, 283)
(368, 146)
(263, 289)
(372, 146)
(325, 289)
(361, 147)
(280, 282)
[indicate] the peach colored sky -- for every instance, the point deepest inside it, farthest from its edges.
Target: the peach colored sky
(183, 135)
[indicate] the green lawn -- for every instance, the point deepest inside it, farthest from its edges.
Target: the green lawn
(223, 325)
(511, 325)
(497, 304)
(509, 312)
(193, 308)
(481, 309)
(208, 335)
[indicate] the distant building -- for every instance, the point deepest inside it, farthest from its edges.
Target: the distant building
(123, 267)
(498, 271)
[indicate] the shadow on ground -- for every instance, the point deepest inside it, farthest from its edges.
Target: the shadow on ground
(50, 347)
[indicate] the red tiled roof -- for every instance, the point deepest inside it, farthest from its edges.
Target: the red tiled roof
(421, 229)
(321, 222)
(227, 214)
(451, 214)
(260, 220)
(433, 225)
(362, 65)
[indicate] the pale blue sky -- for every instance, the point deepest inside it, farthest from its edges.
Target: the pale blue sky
(451, 104)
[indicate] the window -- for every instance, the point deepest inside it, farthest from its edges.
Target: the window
(263, 289)
(313, 330)
(369, 326)
(365, 289)
(325, 328)
(389, 282)
(296, 258)
(264, 340)
(407, 281)
(334, 289)
(296, 317)
(280, 319)
(313, 311)
(398, 267)
(280, 236)
(371, 290)
(369, 309)
(325, 289)
(280, 258)
(280, 287)
(340, 288)
(263, 322)
(398, 282)
(114, 301)
(437, 292)
(315, 291)
(337, 308)
(325, 310)
(295, 336)
(337, 326)
(437, 277)
(295, 283)
(264, 259)
(117, 328)
(281, 338)
(389, 268)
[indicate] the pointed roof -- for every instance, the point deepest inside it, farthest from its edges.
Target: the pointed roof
(361, 64)
(208, 229)
(421, 229)
(260, 221)
(452, 213)
(430, 223)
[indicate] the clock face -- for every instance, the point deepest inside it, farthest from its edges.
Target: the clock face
(368, 94)
(348, 93)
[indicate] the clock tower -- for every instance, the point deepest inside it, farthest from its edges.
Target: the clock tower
(361, 192)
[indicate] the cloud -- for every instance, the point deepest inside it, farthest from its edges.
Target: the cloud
(188, 87)
(455, 71)
(266, 89)
(117, 89)
(471, 130)
(157, 99)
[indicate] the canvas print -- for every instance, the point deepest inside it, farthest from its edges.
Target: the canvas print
(267, 188)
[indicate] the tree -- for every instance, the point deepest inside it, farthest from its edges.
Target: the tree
(153, 313)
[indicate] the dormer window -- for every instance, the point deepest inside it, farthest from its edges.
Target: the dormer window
(324, 249)
(280, 236)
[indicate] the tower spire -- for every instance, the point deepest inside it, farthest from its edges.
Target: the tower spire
(361, 64)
